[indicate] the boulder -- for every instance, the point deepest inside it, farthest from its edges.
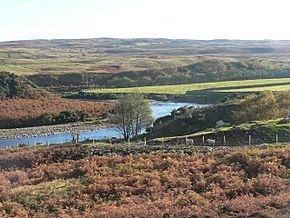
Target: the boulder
(220, 124)
(285, 121)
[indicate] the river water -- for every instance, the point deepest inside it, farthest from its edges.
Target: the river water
(159, 109)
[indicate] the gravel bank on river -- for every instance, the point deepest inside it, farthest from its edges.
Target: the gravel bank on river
(50, 130)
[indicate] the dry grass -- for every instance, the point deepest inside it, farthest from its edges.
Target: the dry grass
(15, 111)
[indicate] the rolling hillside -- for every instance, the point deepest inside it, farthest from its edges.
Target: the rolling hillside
(107, 62)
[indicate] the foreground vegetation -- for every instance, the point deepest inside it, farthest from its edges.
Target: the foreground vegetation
(57, 182)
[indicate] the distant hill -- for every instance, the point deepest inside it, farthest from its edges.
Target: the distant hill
(12, 86)
(109, 62)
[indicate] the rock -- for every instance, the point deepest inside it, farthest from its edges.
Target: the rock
(284, 121)
(263, 146)
(220, 124)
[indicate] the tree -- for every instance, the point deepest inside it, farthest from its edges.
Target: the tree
(47, 118)
(283, 99)
(257, 107)
(132, 114)
(67, 117)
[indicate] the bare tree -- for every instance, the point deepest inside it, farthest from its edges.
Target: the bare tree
(132, 114)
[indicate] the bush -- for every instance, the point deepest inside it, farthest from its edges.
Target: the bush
(67, 117)
(257, 107)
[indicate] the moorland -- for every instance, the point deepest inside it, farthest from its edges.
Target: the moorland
(108, 62)
(78, 181)
(228, 158)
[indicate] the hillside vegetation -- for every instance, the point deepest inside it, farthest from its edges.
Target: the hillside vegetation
(12, 86)
(46, 111)
(257, 107)
(55, 182)
(261, 132)
(108, 62)
(23, 104)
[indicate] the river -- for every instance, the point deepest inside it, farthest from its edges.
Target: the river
(159, 109)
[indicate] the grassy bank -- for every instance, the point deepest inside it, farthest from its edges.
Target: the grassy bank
(260, 131)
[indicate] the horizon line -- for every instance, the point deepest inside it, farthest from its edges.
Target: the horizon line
(132, 38)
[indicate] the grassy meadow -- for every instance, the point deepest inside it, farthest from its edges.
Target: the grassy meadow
(182, 89)
(276, 88)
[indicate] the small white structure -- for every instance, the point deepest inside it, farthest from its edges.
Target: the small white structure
(220, 124)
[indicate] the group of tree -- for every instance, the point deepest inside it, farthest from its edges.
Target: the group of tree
(63, 117)
(263, 106)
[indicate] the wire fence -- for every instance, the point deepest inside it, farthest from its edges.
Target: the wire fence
(227, 140)
(218, 139)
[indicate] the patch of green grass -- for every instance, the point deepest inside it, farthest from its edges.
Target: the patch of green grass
(15, 69)
(260, 89)
(32, 195)
(182, 89)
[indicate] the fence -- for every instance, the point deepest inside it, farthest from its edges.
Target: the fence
(226, 140)
(206, 140)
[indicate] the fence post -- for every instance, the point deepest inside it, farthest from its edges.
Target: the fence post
(110, 141)
(17, 145)
(277, 139)
(225, 140)
(250, 140)
(93, 142)
(145, 142)
(162, 141)
(203, 140)
(129, 141)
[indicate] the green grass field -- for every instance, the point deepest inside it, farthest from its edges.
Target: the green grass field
(260, 89)
(182, 89)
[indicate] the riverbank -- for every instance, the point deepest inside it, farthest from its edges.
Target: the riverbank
(62, 133)
(69, 128)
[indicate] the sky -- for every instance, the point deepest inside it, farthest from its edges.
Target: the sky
(176, 19)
